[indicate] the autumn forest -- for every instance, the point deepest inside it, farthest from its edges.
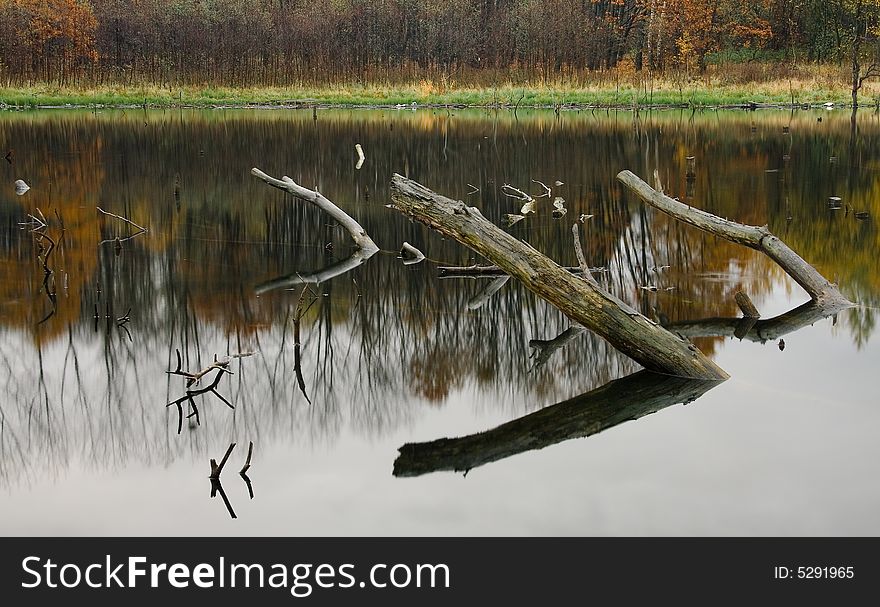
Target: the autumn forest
(482, 42)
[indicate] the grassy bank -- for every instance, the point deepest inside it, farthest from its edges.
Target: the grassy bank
(607, 92)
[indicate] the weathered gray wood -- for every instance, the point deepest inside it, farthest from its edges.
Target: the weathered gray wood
(745, 304)
(358, 234)
(622, 326)
(410, 255)
(758, 238)
(366, 247)
(616, 402)
(579, 252)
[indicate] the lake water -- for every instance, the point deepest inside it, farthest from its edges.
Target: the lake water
(391, 354)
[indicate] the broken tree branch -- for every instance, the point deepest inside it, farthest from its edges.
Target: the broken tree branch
(193, 378)
(622, 326)
(745, 304)
(754, 237)
(358, 234)
(247, 463)
(579, 251)
(217, 469)
(366, 247)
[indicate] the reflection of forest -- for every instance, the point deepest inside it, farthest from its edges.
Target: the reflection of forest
(386, 336)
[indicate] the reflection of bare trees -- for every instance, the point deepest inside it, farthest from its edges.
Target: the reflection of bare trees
(379, 343)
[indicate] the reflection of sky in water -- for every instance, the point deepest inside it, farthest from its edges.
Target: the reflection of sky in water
(786, 446)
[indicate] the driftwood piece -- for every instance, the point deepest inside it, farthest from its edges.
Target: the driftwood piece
(366, 247)
(582, 260)
(745, 304)
(410, 255)
(358, 234)
(622, 326)
(754, 237)
(616, 402)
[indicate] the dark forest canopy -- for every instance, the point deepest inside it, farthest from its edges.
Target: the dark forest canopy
(295, 42)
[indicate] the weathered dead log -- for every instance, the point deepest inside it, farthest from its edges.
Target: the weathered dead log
(746, 306)
(754, 237)
(622, 326)
(616, 402)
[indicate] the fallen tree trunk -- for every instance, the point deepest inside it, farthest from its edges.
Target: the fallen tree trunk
(754, 237)
(623, 327)
(616, 402)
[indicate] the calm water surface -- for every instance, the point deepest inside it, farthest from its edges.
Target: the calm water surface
(391, 354)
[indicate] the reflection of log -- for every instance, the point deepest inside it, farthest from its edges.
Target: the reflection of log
(486, 293)
(758, 238)
(544, 348)
(622, 326)
(616, 402)
(366, 247)
(760, 330)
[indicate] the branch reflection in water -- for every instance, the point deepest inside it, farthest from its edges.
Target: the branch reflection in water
(384, 343)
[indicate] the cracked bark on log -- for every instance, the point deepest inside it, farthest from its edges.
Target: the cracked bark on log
(622, 326)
